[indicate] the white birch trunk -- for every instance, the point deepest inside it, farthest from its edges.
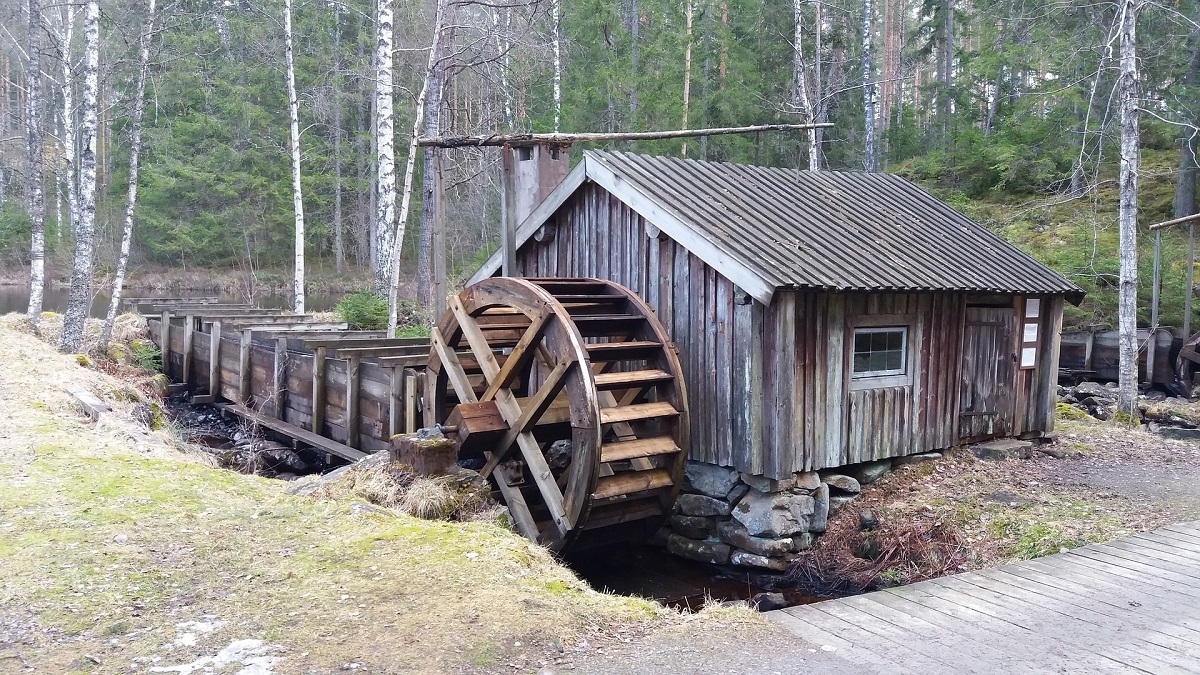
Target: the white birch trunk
(870, 153)
(34, 169)
(1127, 221)
(689, 9)
(297, 193)
(819, 108)
(557, 20)
(80, 297)
(135, 149)
(66, 34)
(406, 197)
(339, 255)
(800, 100)
(385, 153)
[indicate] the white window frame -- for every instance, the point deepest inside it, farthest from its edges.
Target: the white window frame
(901, 372)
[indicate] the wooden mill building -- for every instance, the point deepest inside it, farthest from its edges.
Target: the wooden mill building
(821, 319)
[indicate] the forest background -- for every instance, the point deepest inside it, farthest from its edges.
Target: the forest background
(1007, 109)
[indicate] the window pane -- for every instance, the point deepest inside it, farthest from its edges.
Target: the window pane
(860, 363)
(878, 342)
(862, 342)
(895, 340)
(894, 360)
(877, 360)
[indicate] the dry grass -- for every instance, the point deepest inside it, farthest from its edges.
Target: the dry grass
(109, 537)
(392, 486)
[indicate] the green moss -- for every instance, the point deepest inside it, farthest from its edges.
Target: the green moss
(117, 352)
(83, 360)
(1066, 411)
(1126, 419)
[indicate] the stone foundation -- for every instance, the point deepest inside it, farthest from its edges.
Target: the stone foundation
(724, 517)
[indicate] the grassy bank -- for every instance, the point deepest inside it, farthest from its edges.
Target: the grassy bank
(120, 546)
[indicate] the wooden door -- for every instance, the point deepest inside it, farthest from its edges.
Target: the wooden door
(987, 393)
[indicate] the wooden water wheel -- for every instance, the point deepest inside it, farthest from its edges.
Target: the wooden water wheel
(1187, 365)
(569, 393)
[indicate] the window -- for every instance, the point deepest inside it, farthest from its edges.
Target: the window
(879, 351)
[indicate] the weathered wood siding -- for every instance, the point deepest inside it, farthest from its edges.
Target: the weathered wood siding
(376, 391)
(769, 388)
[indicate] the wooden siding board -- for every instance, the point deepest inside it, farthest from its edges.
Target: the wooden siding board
(835, 369)
(724, 347)
(739, 408)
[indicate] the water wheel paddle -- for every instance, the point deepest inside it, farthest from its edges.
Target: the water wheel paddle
(569, 393)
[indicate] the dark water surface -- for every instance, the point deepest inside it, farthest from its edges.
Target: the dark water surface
(16, 299)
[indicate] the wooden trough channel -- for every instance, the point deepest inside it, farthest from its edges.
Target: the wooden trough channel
(342, 391)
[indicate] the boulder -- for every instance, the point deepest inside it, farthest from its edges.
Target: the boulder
(842, 482)
(659, 538)
(744, 559)
(802, 541)
(867, 519)
(735, 495)
(766, 602)
(713, 552)
(1003, 448)
(764, 484)
(699, 505)
(1085, 389)
(836, 503)
(692, 527)
(917, 459)
(808, 480)
(779, 514)
(709, 479)
(869, 472)
(821, 509)
(735, 534)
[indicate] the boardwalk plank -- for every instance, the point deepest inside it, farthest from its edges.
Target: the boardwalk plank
(1114, 633)
(1165, 542)
(1132, 605)
(1111, 615)
(1061, 634)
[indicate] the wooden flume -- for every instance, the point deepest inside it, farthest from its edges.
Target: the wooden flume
(568, 394)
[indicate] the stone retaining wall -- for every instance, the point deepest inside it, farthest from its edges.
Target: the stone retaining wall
(724, 517)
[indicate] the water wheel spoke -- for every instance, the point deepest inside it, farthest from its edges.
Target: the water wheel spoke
(519, 357)
(531, 413)
(453, 369)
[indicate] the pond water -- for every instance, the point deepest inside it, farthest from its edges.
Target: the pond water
(16, 299)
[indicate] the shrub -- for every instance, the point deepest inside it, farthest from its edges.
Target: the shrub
(144, 355)
(363, 311)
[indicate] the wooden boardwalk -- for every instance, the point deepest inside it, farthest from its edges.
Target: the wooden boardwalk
(1129, 606)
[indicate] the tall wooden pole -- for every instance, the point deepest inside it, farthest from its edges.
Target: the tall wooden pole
(1157, 274)
(1187, 296)
(439, 237)
(508, 203)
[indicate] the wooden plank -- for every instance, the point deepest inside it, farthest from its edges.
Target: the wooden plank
(318, 390)
(293, 431)
(280, 377)
(411, 387)
(352, 392)
(639, 411)
(631, 482)
(89, 403)
(244, 367)
(214, 360)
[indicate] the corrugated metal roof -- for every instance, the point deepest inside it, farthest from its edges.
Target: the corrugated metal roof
(836, 230)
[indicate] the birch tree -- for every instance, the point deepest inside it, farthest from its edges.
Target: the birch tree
(80, 297)
(406, 197)
(34, 170)
(556, 20)
(433, 127)
(1127, 219)
(68, 179)
(385, 153)
(297, 193)
(870, 152)
(135, 149)
(800, 98)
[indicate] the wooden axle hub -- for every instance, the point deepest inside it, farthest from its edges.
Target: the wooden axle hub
(569, 393)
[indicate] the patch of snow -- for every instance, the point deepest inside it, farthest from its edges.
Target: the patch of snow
(253, 654)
